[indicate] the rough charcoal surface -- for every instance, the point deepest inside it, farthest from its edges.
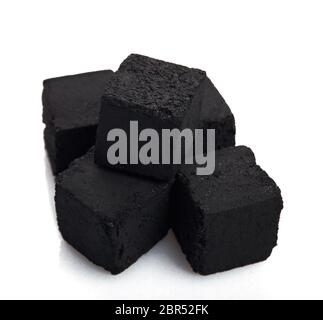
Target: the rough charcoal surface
(217, 115)
(156, 88)
(159, 95)
(110, 217)
(228, 219)
(71, 107)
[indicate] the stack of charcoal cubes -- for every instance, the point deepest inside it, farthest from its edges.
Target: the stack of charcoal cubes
(113, 214)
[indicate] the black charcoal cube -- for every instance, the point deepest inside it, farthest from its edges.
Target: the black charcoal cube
(228, 219)
(159, 95)
(71, 107)
(110, 217)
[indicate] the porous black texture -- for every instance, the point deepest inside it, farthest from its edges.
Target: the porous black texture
(160, 95)
(215, 113)
(228, 219)
(110, 217)
(155, 88)
(71, 107)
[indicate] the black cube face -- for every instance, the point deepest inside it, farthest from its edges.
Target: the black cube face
(216, 114)
(241, 236)
(229, 219)
(109, 217)
(64, 146)
(132, 123)
(71, 106)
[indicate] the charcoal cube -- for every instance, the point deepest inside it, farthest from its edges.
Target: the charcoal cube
(159, 95)
(228, 219)
(108, 216)
(71, 107)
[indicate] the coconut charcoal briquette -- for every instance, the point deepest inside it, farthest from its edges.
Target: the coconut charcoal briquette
(108, 216)
(228, 219)
(159, 95)
(71, 107)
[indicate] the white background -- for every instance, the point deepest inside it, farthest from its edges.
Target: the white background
(265, 57)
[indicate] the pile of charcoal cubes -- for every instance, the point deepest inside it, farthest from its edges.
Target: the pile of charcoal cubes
(115, 214)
